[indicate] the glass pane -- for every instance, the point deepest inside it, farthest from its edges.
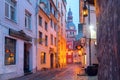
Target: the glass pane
(12, 13)
(29, 22)
(10, 51)
(6, 10)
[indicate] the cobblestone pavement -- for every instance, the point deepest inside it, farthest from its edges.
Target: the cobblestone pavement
(71, 72)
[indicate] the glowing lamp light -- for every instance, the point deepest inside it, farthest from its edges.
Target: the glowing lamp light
(85, 10)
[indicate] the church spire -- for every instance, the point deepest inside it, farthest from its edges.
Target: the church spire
(70, 17)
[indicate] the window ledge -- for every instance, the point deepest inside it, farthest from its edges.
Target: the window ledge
(13, 21)
(28, 29)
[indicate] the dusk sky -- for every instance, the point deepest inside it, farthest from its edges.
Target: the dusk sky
(74, 5)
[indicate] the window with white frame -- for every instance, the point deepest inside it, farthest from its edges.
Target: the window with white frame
(27, 20)
(10, 9)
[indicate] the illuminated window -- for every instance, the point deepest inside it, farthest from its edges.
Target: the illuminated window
(43, 58)
(10, 51)
(69, 53)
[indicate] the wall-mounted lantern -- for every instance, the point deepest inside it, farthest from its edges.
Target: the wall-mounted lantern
(85, 10)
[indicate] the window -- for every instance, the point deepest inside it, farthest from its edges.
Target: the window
(46, 40)
(27, 20)
(43, 58)
(51, 23)
(55, 26)
(55, 41)
(46, 26)
(40, 20)
(61, 31)
(10, 51)
(54, 13)
(51, 39)
(61, 20)
(10, 9)
(40, 37)
(50, 8)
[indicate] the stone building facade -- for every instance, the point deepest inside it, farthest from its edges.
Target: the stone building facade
(108, 39)
(47, 34)
(51, 34)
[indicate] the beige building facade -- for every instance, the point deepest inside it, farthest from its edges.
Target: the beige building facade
(51, 39)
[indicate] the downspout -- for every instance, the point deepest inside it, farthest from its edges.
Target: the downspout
(36, 15)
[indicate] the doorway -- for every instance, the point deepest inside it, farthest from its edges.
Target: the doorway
(51, 60)
(26, 58)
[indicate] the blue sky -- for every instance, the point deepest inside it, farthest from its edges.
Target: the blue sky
(74, 5)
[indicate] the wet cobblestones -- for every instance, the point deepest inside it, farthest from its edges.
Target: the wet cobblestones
(71, 72)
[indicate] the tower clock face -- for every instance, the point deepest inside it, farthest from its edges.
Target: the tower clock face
(71, 27)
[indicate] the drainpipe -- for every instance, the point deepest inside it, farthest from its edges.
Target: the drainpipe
(36, 15)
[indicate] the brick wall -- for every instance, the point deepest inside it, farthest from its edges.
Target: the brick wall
(108, 37)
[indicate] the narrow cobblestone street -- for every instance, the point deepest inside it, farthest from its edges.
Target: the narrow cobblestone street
(71, 72)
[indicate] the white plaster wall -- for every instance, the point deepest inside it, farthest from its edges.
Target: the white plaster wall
(20, 57)
(93, 53)
(17, 70)
(93, 35)
(1, 50)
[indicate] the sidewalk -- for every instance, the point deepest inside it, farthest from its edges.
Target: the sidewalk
(38, 73)
(83, 76)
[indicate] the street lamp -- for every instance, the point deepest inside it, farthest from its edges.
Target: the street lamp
(85, 10)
